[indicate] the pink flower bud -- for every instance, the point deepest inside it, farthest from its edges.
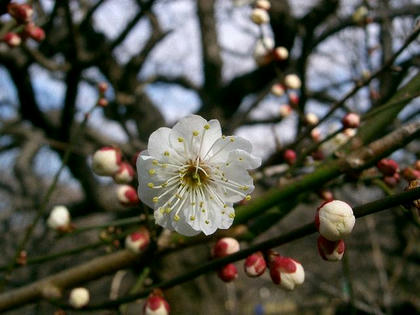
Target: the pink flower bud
(225, 246)
(106, 161)
(334, 220)
(22, 13)
(289, 156)
(388, 167)
(393, 180)
(156, 305)
(138, 241)
(12, 39)
(125, 174)
(293, 99)
(278, 89)
(259, 16)
(292, 81)
(79, 297)
(351, 120)
(281, 53)
(102, 87)
(330, 250)
(103, 102)
(316, 134)
(286, 272)
(228, 273)
(255, 265)
(263, 4)
(127, 195)
(410, 174)
(285, 110)
(34, 32)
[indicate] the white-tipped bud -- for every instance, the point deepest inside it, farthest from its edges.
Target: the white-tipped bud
(255, 265)
(138, 241)
(225, 246)
(350, 132)
(59, 218)
(281, 53)
(125, 174)
(331, 250)
(79, 297)
(263, 4)
(106, 161)
(278, 89)
(292, 81)
(127, 195)
(311, 119)
(260, 16)
(156, 305)
(228, 273)
(334, 220)
(263, 49)
(285, 110)
(351, 120)
(293, 99)
(286, 272)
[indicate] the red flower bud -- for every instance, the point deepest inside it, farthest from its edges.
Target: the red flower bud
(22, 13)
(12, 39)
(255, 265)
(289, 156)
(125, 174)
(138, 241)
(410, 174)
(286, 272)
(156, 305)
(103, 102)
(388, 167)
(330, 250)
(351, 120)
(225, 246)
(34, 32)
(127, 195)
(393, 180)
(102, 87)
(293, 99)
(228, 273)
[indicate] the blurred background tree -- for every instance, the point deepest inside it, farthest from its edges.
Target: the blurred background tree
(165, 59)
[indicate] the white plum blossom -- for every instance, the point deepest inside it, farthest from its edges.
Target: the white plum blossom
(191, 175)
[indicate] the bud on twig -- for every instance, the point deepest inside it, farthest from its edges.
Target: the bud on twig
(334, 220)
(388, 167)
(255, 265)
(156, 305)
(260, 16)
(351, 120)
(138, 242)
(289, 156)
(228, 273)
(35, 32)
(79, 297)
(59, 218)
(292, 81)
(330, 250)
(127, 195)
(106, 161)
(22, 13)
(125, 174)
(225, 246)
(286, 272)
(12, 39)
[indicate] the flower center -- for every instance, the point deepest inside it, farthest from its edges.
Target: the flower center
(196, 174)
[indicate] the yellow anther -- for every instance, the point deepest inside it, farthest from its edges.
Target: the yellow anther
(248, 197)
(223, 137)
(207, 126)
(232, 139)
(164, 185)
(207, 221)
(155, 162)
(240, 159)
(150, 185)
(204, 210)
(201, 204)
(152, 171)
(223, 212)
(168, 209)
(192, 218)
(195, 133)
(162, 210)
(176, 217)
(166, 153)
(178, 196)
(192, 203)
(180, 139)
(225, 206)
(232, 215)
(155, 199)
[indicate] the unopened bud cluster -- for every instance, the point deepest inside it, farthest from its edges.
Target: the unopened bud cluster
(108, 161)
(25, 28)
(284, 271)
(334, 220)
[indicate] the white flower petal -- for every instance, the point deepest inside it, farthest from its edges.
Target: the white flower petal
(244, 159)
(219, 152)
